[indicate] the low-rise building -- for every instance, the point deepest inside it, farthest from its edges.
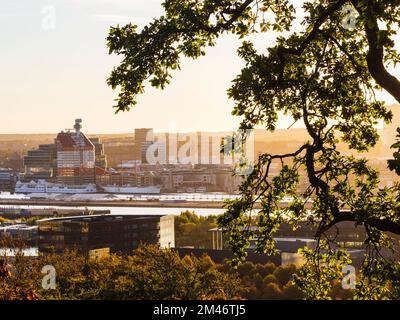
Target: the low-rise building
(287, 246)
(8, 178)
(126, 178)
(200, 179)
(119, 233)
(21, 231)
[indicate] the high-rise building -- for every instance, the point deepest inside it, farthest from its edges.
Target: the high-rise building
(154, 153)
(75, 157)
(145, 147)
(143, 138)
(71, 159)
(41, 163)
(100, 157)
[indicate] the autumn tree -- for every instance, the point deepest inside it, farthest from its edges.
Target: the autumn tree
(149, 273)
(323, 71)
(162, 274)
(17, 273)
(268, 282)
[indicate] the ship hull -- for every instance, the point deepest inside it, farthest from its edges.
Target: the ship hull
(44, 187)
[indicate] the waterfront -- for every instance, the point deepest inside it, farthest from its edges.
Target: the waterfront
(115, 210)
(203, 204)
(112, 197)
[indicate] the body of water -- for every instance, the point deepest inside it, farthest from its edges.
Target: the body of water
(201, 197)
(196, 197)
(128, 210)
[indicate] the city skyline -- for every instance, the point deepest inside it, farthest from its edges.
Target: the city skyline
(55, 65)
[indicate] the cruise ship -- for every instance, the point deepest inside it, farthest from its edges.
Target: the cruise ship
(43, 186)
(132, 190)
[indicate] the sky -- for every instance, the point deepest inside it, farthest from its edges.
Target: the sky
(54, 66)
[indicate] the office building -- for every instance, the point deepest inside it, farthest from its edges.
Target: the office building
(41, 163)
(19, 231)
(199, 179)
(144, 137)
(124, 178)
(8, 178)
(100, 157)
(116, 233)
(145, 147)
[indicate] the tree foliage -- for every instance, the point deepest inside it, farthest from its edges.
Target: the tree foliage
(193, 230)
(150, 273)
(268, 282)
(323, 72)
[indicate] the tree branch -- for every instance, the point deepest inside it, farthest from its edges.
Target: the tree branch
(375, 57)
(282, 51)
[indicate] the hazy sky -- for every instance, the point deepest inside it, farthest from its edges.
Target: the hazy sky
(54, 73)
